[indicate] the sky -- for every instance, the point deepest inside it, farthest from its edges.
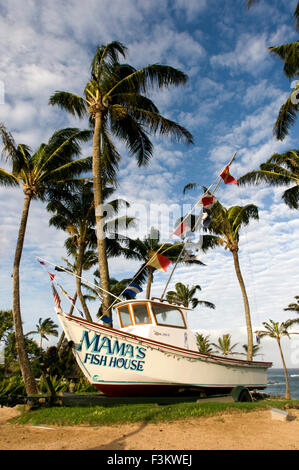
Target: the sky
(234, 91)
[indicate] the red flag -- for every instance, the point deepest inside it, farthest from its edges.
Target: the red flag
(56, 296)
(182, 230)
(227, 177)
(52, 276)
(160, 262)
(208, 201)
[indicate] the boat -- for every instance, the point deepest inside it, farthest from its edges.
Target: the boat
(154, 353)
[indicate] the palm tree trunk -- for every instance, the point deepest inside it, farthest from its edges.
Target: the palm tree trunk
(287, 392)
(98, 204)
(149, 282)
(26, 371)
(78, 281)
(246, 305)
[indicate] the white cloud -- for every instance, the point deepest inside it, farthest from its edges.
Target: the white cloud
(250, 55)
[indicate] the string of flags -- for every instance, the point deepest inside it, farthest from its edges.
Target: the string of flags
(56, 296)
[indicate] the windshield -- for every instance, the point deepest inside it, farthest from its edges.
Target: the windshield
(168, 316)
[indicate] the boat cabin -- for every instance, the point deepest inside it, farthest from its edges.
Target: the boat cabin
(155, 319)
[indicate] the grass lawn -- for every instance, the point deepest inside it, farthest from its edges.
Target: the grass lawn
(132, 413)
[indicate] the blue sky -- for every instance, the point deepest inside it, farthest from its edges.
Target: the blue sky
(229, 104)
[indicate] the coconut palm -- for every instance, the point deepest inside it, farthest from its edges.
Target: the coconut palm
(45, 328)
(74, 213)
(289, 53)
(224, 345)
(279, 170)
(203, 343)
(36, 173)
(277, 330)
(115, 101)
(144, 251)
(255, 349)
(185, 295)
(224, 231)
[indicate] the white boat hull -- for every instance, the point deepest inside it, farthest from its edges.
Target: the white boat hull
(121, 364)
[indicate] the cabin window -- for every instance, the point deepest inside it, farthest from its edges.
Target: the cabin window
(141, 313)
(167, 316)
(124, 316)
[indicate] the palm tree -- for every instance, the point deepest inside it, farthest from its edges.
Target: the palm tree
(186, 296)
(224, 345)
(277, 330)
(289, 53)
(74, 213)
(144, 250)
(224, 230)
(279, 170)
(36, 173)
(255, 349)
(116, 107)
(43, 328)
(203, 343)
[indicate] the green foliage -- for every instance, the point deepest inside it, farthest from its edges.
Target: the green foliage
(203, 343)
(278, 170)
(13, 385)
(186, 296)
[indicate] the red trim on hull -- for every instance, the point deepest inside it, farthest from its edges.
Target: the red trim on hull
(134, 390)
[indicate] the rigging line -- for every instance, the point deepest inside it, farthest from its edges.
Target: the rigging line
(180, 255)
(80, 277)
(160, 248)
(187, 215)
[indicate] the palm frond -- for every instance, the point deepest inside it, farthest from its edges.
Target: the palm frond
(9, 146)
(289, 53)
(8, 179)
(190, 186)
(286, 118)
(107, 54)
(156, 123)
(73, 168)
(150, 76)
(296, 17)
(291, 197)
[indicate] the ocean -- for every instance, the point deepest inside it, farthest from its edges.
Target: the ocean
(276, 382)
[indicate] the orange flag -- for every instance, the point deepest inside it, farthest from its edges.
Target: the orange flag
(160, 262)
